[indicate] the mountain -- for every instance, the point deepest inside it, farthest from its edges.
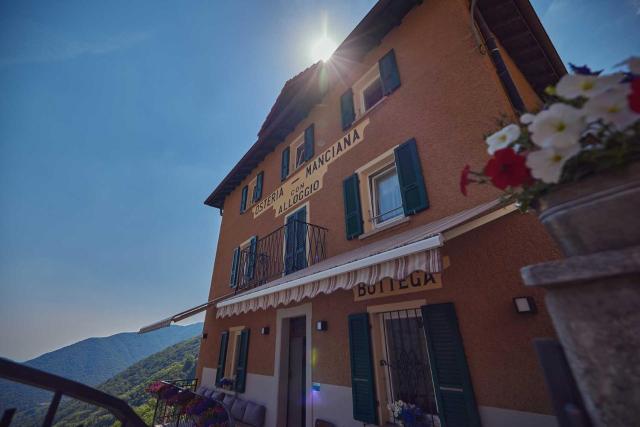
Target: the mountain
(92, 361)
(175, 362)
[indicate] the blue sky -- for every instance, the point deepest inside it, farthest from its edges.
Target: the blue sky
(118, 118)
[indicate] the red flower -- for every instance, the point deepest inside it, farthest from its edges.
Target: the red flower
(507, 169)
(634, 96)
(464, 179)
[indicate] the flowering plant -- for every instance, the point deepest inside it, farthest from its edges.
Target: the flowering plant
(213, 416)
(591, 123)
(408, 415)
(156, 387)
(162, 389)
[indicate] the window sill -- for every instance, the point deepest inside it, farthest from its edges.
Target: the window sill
(359, 118)
(385, 227)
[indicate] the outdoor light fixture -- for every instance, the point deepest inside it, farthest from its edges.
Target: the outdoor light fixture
(525, 305)
(204, 336)
(264, 330)
(321, 325)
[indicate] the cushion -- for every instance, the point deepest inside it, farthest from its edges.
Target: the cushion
(237, 410)
(200, 390)
(254, 414)
(217, 395)
(228, 400)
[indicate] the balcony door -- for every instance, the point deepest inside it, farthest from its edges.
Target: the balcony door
(295, 254)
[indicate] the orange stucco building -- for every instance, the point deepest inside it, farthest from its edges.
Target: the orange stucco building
(350, 272)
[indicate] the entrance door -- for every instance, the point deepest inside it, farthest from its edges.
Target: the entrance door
(296, 396)
(295, 257)
(406, 361)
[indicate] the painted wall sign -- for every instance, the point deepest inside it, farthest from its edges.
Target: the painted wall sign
(308, 179)
(416, 282)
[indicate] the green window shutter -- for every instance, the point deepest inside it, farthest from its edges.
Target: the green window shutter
(352, 209)
(233, 282)
(308, 142)
(284, 166)
(346, 106)
(243, 199)
(251, 262)
(257, 190)
(412, 188)
(452, 381)
(389, 72)
(222, 356)
(241, 362)
(362, 384)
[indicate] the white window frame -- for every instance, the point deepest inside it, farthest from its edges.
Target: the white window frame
(373, 195)
(297, 143)
(234, 338)
(359, 88)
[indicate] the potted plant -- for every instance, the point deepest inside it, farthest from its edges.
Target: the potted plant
(575, 164)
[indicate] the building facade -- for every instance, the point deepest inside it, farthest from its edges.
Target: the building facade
(350, 272)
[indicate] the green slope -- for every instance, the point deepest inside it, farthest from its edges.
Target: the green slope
(175, 362)
(92, 361)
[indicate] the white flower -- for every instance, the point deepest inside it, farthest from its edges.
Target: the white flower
(633, 62)
(547, 164)
(527, 118)
(612, 107)
(572, 86)
(559, 126)
(503, 138)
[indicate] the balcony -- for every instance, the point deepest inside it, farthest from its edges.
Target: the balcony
(290, 248)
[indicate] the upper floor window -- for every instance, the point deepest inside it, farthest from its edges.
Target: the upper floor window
(367, 91)
(386, 198)
(385, 189)
(378, 82)
(302, 149)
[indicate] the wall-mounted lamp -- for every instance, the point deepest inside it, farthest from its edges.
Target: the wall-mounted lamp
(525, 305)
(204, 336)
(264, 331)
(321, 325)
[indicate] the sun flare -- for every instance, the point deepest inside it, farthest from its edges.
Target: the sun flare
(323, 48)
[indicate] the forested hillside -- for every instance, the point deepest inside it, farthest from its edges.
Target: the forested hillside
(175, 362)
(92, 361)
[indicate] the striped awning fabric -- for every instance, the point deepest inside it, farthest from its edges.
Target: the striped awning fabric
(395, 257)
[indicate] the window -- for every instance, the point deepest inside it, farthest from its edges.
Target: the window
(367, 91)
(384, 190)
(233, 356)
(386, 199)
(372, 94)
(243, 199)
(380, 80)
(299, 149)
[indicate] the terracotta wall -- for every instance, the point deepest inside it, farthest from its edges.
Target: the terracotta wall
(449, 97)
(482, 281)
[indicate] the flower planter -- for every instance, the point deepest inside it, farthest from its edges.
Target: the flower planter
(593, 296)
(596, 214)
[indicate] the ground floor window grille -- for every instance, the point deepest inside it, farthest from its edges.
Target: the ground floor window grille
(407, 362)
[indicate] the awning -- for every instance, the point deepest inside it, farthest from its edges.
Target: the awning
(395, 257)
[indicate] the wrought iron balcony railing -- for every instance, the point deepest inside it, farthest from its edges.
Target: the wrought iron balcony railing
(290, 248)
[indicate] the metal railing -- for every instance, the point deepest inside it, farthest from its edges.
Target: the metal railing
(164, 414)
(167, 414)
(290, 248)
(60, 387)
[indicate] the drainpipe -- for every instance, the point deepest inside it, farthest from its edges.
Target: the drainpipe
(498, 62)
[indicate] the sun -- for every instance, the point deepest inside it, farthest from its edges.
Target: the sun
(323, 48)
